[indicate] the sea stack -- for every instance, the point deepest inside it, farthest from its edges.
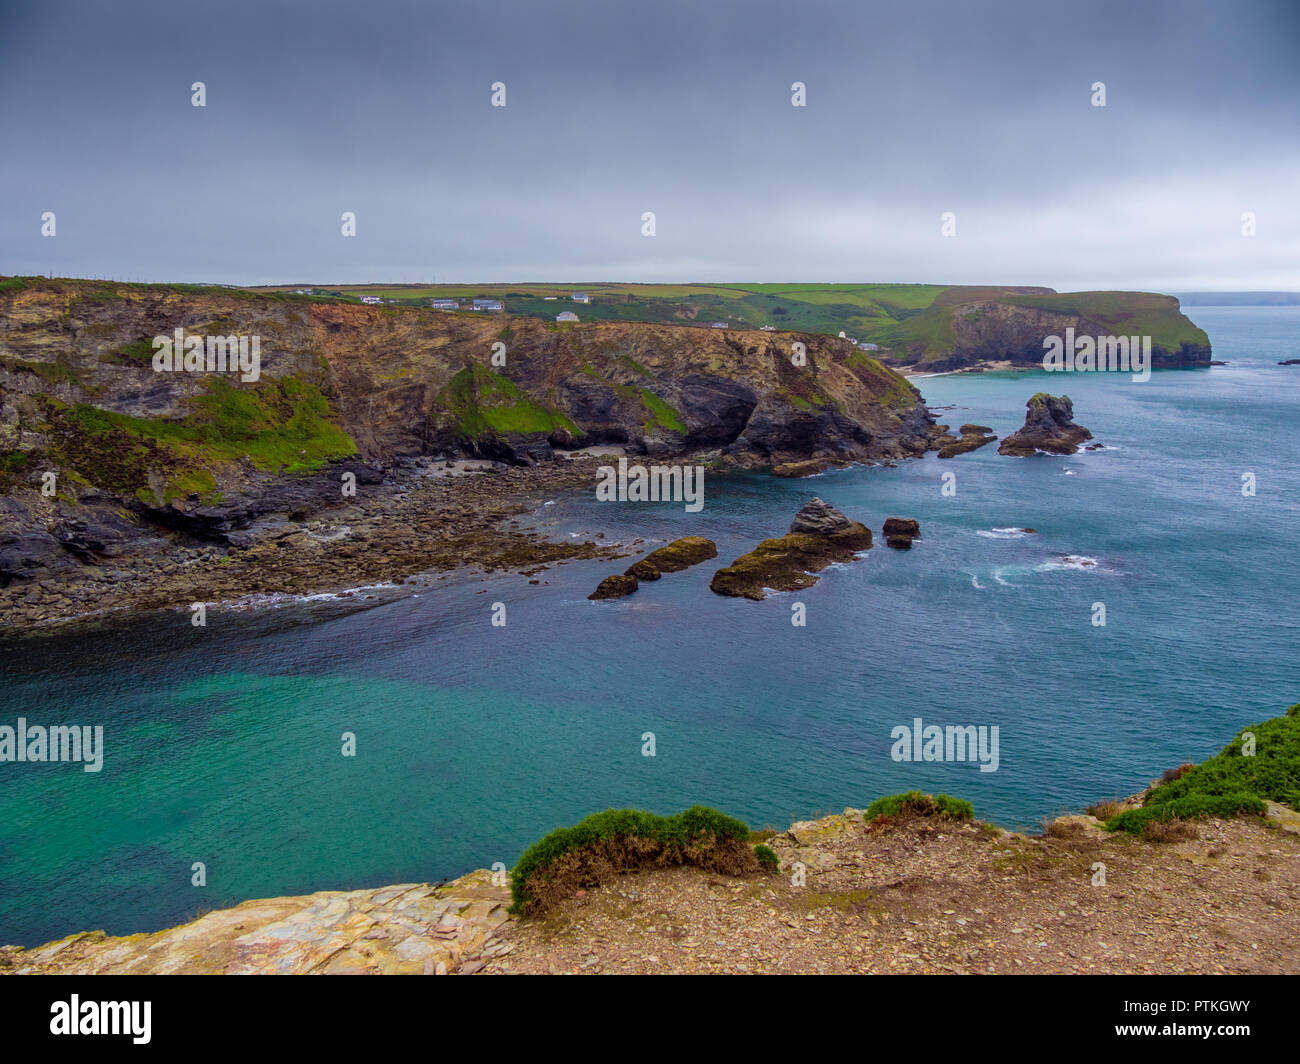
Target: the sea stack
(1049, 427)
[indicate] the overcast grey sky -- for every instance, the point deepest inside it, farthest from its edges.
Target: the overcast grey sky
(612, 109)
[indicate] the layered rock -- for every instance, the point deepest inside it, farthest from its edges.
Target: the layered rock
(1049, 427)
(409, 929)
(973, 437)
(819, 536)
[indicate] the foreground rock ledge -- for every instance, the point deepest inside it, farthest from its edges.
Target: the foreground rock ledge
(409, 929)
(818, 536)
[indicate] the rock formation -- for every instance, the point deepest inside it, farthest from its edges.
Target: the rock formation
(147, 461)
(818, 536)
(616, 586)
(1049, 427)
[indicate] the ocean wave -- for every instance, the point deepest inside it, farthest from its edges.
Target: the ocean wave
(1005, 533)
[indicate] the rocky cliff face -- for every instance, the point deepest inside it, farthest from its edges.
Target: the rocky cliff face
(347, 388)
(960, 331)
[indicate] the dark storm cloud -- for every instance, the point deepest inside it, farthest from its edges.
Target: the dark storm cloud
(678, 108)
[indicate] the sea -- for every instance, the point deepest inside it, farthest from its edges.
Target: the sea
(401, 736)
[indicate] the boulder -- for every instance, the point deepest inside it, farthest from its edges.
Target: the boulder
(615, 586)
(899, 542)
(819, 518)
(1049, 427)
(901, 526)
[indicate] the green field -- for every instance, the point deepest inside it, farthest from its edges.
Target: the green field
(910, 322)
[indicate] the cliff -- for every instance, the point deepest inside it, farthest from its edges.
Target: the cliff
(966, 326)
(140, 454)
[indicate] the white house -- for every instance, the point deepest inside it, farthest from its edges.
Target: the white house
(868, 347)
(371, 300)
(566, 315)
(488, 304)
(581, 297)
(718, 325)
(445, 304)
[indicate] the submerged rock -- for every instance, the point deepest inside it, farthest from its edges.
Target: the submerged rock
(615, 586)
(818, 536)
(1049, 427)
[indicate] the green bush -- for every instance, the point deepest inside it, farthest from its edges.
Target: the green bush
(767, 858)
(924, 804)
(1229, 783)
(626, 838)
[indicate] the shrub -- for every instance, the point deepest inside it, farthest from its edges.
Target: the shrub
(627, 840)
(1230, 783)
(767, 858)
(920, 804)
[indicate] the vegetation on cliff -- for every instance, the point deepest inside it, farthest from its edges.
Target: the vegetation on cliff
(1233, 781)
(627, 840)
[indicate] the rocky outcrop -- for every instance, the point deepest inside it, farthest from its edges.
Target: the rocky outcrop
(1049, 428)
(617, 586)
(643, 570)
(149, 460)
(818, 536)
(900, 531)
(682, 554)
(809, 468)
(973, 437)
(967, 326)
(409, 929)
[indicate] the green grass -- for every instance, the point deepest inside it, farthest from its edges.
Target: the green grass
(283, 424)
(480, 402)
(674, 833)
(916, 802)
(1230, 782)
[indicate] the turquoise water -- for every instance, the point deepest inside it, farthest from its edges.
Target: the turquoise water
(223, 744)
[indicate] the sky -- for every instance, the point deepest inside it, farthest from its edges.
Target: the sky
(913, 110)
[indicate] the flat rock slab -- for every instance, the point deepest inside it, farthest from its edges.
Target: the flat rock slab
(408, 929)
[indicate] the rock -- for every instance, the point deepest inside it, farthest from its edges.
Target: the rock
(645, 569)
(808, 468)
(901, 526)
(1288, 362)
(899, 542)
(1049, 427)
(615, 586)
(975, 430)
(970, 441)
(788, 562)
(682, 554)
(819, 518)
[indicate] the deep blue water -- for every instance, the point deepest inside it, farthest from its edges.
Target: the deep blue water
(223, 744)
